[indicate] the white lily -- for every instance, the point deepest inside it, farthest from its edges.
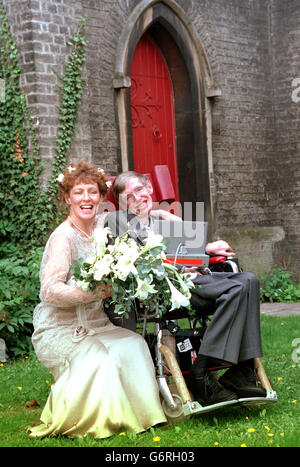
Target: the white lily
(144, 288)
(90, 259)
(124, 267)
(178, 300)
(101, 238)
(153, 240)
(162, 255)
(102, 267)
(127, 249)
(185, 280)
(84, 274)
(84, 285)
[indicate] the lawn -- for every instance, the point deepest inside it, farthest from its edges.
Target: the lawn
(276, 425)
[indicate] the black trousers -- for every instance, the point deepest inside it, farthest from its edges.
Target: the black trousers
(233, 333)
(128, 323)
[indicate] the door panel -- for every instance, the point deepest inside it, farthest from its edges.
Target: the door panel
(152, 111)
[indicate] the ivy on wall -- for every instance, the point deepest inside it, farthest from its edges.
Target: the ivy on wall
(71, 91)
(19, 176)
(28, 213)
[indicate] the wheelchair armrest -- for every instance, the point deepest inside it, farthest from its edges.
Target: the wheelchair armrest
(224, 264)
(217, 259)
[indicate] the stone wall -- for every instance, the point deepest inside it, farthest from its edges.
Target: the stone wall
(41, 29)
(252, 47)
(285, 53)
(235, 36)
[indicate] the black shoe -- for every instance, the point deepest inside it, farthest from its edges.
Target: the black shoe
(243, 381)
(207, 391)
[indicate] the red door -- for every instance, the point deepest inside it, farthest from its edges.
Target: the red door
(152, 111)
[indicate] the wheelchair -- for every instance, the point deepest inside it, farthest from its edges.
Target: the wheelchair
(174, 348)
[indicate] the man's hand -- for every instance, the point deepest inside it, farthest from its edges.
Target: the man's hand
(219, 248)
(193, 271)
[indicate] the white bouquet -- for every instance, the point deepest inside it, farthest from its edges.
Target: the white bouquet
(134, 272)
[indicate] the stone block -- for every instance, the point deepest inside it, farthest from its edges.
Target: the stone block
(254, 247)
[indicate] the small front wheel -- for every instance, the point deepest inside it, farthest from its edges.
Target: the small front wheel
(173, 414)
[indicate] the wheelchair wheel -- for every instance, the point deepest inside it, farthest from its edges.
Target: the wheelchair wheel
(174, 415)
(173, 412)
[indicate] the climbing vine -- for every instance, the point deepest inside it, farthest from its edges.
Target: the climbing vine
(27, 212)
(19, 176)
(71, 91)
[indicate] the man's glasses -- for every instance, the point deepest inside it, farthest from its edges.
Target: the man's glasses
(138, 191)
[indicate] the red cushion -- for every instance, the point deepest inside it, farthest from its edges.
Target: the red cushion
(217, 259)
(154, 194)
(163, 183)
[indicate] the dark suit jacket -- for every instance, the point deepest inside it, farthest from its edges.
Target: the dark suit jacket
(121, 222)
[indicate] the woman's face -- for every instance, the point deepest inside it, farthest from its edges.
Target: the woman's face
(83, 201)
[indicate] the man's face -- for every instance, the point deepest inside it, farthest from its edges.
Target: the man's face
(136, 198)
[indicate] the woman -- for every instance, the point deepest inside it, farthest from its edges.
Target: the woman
(104, 375)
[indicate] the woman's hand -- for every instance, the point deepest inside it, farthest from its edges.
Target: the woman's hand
(103, 291)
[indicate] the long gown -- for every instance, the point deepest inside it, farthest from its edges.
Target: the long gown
(104, 375)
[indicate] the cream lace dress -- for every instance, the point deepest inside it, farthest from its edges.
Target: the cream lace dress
(104, 374)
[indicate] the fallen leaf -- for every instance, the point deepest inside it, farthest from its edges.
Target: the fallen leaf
(33, 403)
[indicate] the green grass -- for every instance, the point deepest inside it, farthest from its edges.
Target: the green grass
(274, 425)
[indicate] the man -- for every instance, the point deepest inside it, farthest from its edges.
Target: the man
(233, 334)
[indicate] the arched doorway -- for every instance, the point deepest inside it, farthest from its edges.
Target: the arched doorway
(172, 32)
(152, 111)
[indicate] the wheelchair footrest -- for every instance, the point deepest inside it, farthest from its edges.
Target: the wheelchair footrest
(194, 407)
(252, 402)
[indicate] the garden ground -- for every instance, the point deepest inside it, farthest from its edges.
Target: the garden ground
(280, 309)
(276, 425)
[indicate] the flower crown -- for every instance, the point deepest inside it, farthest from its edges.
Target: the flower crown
(61, 176)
